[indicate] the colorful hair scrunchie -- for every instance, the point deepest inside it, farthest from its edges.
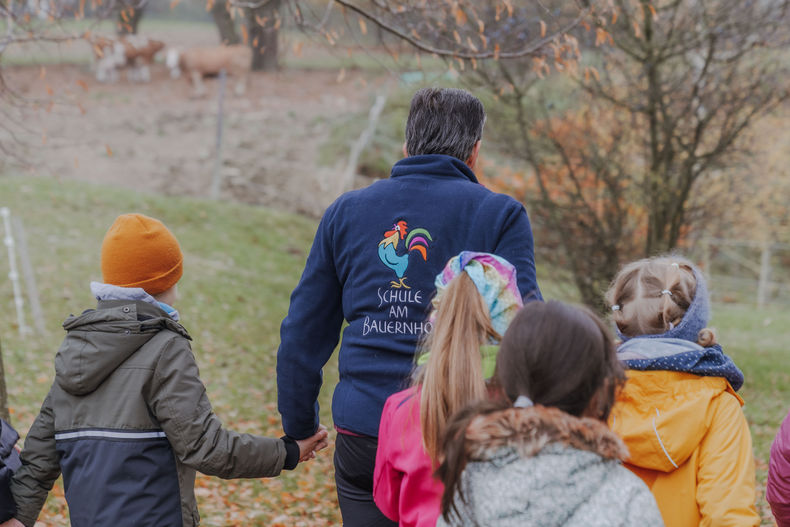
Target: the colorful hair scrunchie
(495, 279)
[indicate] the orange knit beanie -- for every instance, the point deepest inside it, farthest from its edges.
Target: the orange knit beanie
(139, 251)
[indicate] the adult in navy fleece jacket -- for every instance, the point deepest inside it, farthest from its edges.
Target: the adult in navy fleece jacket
(373, 263)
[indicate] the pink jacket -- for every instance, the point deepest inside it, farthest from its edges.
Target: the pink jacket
(778, 491)
(403, 484)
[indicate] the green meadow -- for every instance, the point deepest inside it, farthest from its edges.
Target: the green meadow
(241, 264)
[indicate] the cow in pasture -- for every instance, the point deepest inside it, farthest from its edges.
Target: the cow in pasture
(197, 63)
(133, 52)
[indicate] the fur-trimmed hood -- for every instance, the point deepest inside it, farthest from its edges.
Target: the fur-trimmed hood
(528, 430)
(541, 467)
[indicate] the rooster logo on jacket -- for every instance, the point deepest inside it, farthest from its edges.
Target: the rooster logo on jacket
(416, 240)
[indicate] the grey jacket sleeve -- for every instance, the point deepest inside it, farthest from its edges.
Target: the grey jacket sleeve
(40, 467)
(179, 402)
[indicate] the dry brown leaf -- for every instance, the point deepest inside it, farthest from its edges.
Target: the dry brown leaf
(460, 16)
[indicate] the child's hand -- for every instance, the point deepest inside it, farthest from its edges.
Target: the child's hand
(13, 522)
(308, 447)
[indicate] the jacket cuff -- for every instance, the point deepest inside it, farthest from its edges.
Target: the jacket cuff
(291, 453)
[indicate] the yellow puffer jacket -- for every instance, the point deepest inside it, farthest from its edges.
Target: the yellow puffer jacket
(690, 443)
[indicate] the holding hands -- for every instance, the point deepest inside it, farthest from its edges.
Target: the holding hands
(309, 446)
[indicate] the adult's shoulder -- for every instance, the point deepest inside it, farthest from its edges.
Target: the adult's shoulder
(356, 196)
(500, 199)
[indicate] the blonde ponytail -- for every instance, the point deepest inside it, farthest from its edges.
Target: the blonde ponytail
(453, 376)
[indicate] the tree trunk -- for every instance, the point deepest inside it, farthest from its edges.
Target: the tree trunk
(225, 24)
(3, 393)
(129, 19)
(264, 26)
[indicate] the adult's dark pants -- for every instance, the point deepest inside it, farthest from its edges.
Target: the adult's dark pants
(355, 459)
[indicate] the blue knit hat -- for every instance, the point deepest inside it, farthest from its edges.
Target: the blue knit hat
(696, 317)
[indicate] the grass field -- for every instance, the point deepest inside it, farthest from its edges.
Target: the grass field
(240, 266)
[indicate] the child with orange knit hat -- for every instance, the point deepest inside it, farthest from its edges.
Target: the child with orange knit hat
(127, 420)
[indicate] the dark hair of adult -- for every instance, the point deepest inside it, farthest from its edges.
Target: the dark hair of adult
(444, 121)
(559, 356)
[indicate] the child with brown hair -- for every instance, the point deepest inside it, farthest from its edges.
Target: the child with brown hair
(541, 454)
(477, 297)
(679, 414)
(127, 420)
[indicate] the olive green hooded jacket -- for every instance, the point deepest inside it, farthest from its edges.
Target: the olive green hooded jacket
(128, 422)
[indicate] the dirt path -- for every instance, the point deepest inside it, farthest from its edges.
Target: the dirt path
(156, 137)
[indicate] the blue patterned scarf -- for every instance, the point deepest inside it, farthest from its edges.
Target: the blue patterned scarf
(671, 354)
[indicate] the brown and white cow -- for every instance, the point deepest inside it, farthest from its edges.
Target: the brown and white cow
(133, 52)
(197, 63)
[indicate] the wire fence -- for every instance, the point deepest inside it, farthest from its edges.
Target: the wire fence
(745, 271)
(738, 271)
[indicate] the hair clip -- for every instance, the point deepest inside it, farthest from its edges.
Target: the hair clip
(522, 401)
(666, 292)
(675, 265)
(616, 307)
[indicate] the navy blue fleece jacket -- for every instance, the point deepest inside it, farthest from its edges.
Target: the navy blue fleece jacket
(373, 264)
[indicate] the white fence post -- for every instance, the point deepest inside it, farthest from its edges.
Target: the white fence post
(36, 313)
(13, 274)
(361, 142)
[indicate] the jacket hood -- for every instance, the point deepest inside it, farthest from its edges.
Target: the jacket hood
(100, 340)
(663, 416)
(537, 466)
(695, 319)
(529, 430)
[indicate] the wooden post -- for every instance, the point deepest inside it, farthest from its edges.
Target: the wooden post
(765, 276)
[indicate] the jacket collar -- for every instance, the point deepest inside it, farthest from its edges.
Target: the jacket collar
(528, 430)
(150, 317)
(433, 165)
(113, 292)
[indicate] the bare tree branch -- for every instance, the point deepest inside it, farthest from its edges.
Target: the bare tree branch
(530, 49)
